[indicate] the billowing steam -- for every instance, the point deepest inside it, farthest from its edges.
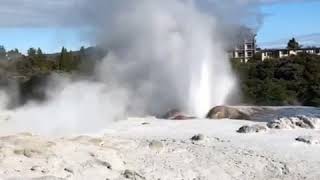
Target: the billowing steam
(163, 55)
(167, 55)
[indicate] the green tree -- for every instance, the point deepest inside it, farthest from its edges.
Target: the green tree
(32, 52)
(40, 59)
(66, 61)
(293, 80)
(3, 52)
(14, 54)
(39, 52)
(62, 58)
(293, 44)
(82, 51)
(39, 55)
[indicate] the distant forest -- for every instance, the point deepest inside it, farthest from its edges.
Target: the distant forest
(23, 76)
(15, 64)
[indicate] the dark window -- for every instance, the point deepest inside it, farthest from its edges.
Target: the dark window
(249, 46)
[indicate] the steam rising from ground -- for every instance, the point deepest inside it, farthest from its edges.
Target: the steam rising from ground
(162, 55)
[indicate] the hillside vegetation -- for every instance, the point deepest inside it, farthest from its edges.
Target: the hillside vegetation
(24, 76)
(293, 80)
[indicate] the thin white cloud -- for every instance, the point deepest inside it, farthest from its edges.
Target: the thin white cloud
(34, 12)
(304, 40)
(69, 12)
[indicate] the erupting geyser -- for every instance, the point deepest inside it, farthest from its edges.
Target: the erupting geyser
(200, 90)
(168, 55)
(210, 85)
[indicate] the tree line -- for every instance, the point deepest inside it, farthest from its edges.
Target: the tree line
(28, 73)
(36, 61)
(66, 61)
(293, 80)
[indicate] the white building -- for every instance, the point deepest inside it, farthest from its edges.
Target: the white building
(245, 51)
(244, 47)
(280, 53)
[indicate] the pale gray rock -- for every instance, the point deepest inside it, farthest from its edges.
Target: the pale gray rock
(29, 153)
(156, 145)
(198, 137)
(300, 121)
(69, 170)
(104, 163)
(39, 178)
(48, 178)
(252, 129)
(128, 174)
(35, 168)
(308, 139)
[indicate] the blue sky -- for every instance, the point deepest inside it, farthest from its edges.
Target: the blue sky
(286, 20)
(282, 20)
(49, 39)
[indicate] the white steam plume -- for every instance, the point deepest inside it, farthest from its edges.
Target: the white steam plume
(162, 55)
(167, 54)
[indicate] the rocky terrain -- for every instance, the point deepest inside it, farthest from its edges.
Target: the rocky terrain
(152, 149)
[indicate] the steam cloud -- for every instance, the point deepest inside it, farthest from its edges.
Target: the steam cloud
(162, 55)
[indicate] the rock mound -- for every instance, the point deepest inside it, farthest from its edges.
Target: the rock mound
(225, 112)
